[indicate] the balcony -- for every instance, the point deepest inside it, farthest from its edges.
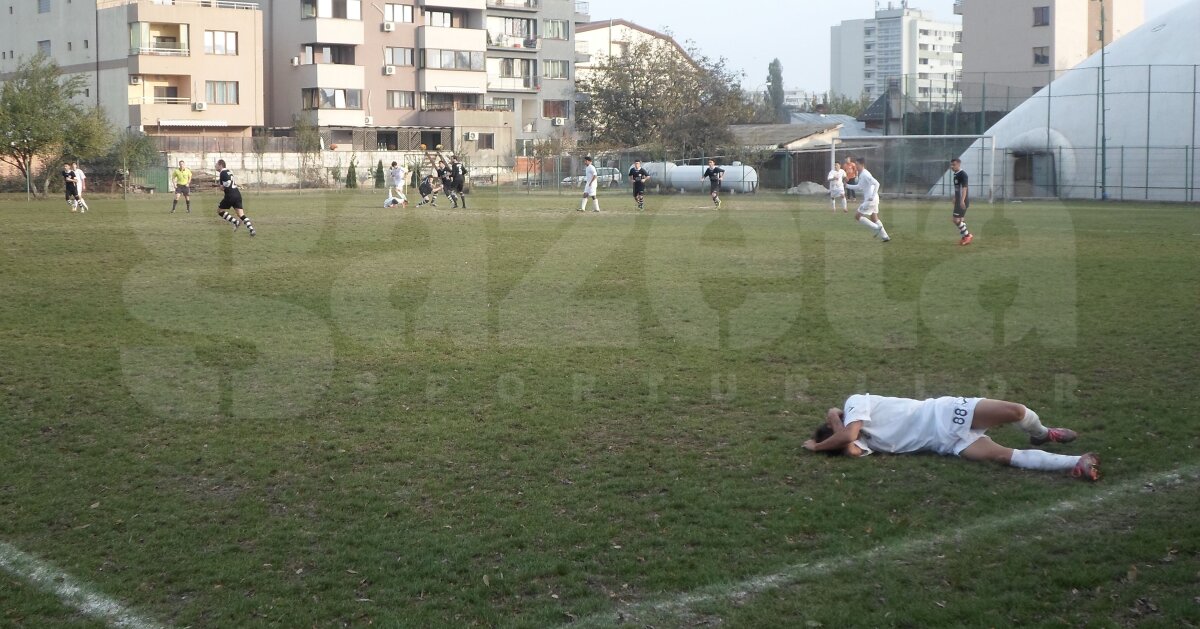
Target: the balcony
(515, 5)
(471, 5)
(506, 42)
(163, 49)
(330, 31)
(451, 81)
(513, 83)
(582, 53)
(160, 100)
(332, 75)
(442, 38)
(958, 7)
(583, 11)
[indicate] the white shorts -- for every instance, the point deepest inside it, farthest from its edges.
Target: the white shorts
(837, 193)
(869, 207)
(589, 192)
(952, 417)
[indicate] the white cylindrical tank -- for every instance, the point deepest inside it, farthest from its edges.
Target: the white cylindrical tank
(738, 178)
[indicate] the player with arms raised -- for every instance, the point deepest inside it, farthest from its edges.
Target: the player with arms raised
(962, 201)
(639, 177)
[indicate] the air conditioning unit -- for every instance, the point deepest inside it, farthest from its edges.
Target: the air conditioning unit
(389, 27)
(389, 70)
(472, 136)
(369, 120)
(135, 79)
(558, 122)
(199, 106)
(295, 61)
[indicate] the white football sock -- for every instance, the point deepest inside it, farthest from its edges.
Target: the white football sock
(1032, 425)
(583, 204)
(596, 202)
(1044, 461)
(869, 223)
(882, 231)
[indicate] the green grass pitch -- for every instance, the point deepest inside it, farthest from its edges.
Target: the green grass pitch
(521, 415)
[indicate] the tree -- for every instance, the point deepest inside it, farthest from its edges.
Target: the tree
(132, 151)
(308, 143)
(37, 114)
(352, 174)
(259, 144)
(379, 180)
(838, 104)
(88, 135)
(654, 94)
(775, 91)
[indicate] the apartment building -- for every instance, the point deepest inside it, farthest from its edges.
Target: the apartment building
(612, 38)
(161, 66)
(898, 46)
(1011, 50)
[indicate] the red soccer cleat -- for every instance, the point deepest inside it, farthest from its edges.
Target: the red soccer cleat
(1056, 435)
(1088, 467)
(966, 240)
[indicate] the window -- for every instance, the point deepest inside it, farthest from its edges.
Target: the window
(85, 44)
(401, 100)
(339, 9)
(330, 98)
(1037, 89)
(525, 147)
(398, 56)
(1041, 56)
(323, 53)
(556, 69)
(221, 92)
(868, 60)
(397, 13)
(70, 47)
(556, 29)
(486, 141)
(220, 42)
(503, 104)
(44, 47)
(439, 18)
(516, 68)
(453, 59)
(1041, 16)
(556, 108)
(43, 6)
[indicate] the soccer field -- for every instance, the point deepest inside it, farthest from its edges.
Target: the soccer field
(522, 415)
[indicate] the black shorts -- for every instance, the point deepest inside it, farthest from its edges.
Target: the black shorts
(184, 190)
(639, 188)
(71, 190)
(714, 186)
(447, 185)
(960, 208)
(458, 185)
(232, 200)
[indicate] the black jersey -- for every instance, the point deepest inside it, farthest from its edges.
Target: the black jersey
(69, 180)
(458, 170)
(638, 175)
(960, 181)
(445, 174)
(226, 180)
(713, 174)
(426, 187)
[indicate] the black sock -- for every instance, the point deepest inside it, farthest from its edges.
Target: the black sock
(189, 204)
(173, 204)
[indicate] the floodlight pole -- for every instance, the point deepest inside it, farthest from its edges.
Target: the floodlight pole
(1103, 110)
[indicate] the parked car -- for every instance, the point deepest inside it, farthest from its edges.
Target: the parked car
(608, 177)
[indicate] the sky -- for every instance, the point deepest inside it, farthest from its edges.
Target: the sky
(750, 33)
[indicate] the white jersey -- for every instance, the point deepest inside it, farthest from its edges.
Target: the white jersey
(837, 180)
(394, 201)
(79, 177)
(899, 425)
(589, 179)
(397, 176)
(868, 185)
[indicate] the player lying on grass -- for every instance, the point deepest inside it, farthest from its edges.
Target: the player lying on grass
(945, 425)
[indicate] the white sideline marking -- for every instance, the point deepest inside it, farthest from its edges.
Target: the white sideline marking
(74, 594)
(680, 604)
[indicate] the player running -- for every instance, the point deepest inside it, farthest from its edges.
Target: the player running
(589, 185)
(397, 177)
(80, 181)
(458, 179)
(232, 200)
(962, 201)
(182, 178)
(946, 425)
(715, 174)
(868, 211)
(445, 175)
(837, 187)
(71, 189)
(639, 177)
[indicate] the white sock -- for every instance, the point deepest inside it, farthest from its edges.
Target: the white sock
(583, 204)
(869, 223)
(882, 231)
(1043, 461)
(1032, 425)
(596, 202)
